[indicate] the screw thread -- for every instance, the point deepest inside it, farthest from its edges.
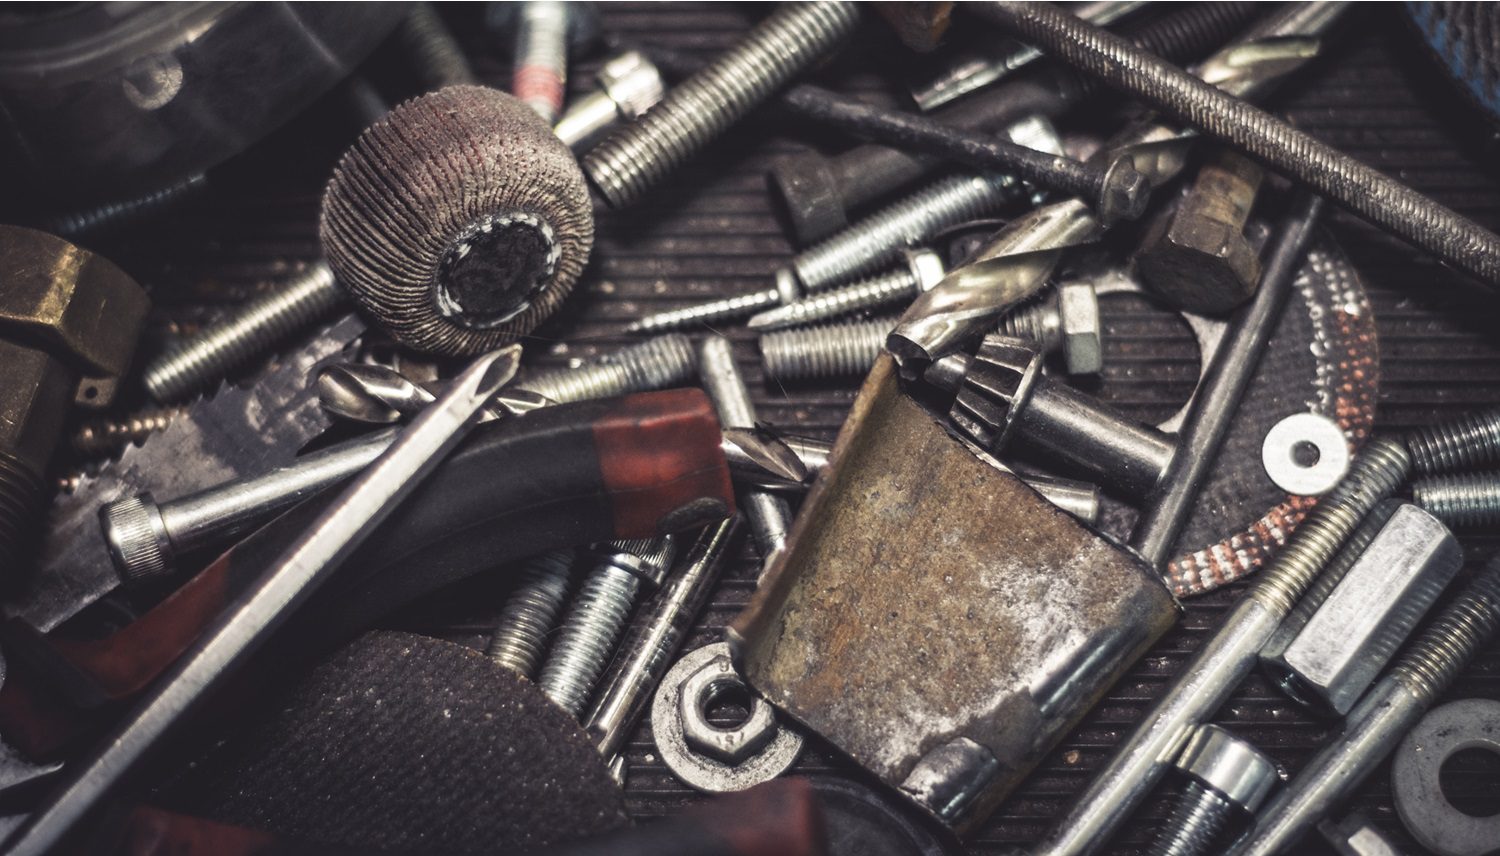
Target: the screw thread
(873, 293)
(1196, 820)
(706, 314)
(636, 156)
(431, 49)
(1036, 322)
(249, 331)
(1431, 663)
(111, 214)
(832, 351)
(540, 72)
(23, 499)
(880, 237)
(1375, 474)
(1462, 500)
(1469, 441)
(531, 611)
(652, 364)
(588, 636)
(105, 436)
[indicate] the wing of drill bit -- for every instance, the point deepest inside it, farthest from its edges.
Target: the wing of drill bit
(239, 430)
(1007, 270)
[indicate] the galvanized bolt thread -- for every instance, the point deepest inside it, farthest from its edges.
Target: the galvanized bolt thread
(880, 290)
(540, 72)
(111, 214)
(431, 49)
(1470, 441)
(880, 237)
(832, 351)
(106, 436)
(1431, 663)
(1037, 322)
(652, 364)
(637, 156)
(1463, 500)
(251, 330)
(1197, 819)
(1376, 472)
(707, 314)
(531, 612)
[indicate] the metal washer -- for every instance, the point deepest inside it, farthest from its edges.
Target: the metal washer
(1429, 817)
(695, 770)
(1278, 450)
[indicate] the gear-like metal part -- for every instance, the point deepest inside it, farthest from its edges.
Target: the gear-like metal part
(995, 389)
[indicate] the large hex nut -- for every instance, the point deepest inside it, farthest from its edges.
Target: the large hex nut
(730, 745)
(1082, 328)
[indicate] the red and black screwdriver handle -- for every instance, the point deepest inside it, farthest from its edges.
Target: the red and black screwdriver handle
(573, 474)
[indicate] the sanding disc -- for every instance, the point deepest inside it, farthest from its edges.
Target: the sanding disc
(459, 221)
(404, 742)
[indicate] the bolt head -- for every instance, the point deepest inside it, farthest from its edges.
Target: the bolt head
(1082, 329)
(1229, 765)
(633, 82)
(926, 267)
(731, 746)
(1126, 192)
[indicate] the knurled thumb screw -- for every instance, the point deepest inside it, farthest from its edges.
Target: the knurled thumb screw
(586, 640)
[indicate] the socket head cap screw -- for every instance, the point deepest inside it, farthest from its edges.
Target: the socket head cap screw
(136, 537)
(1082, 329)
(995, 389)
(1230, 766)
(633, 82)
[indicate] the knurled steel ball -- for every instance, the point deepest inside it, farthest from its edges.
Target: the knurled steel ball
(459, 221)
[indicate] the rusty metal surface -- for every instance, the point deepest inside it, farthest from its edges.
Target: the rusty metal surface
(711, 231)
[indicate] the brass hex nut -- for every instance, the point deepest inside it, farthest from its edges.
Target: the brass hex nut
(68, 302)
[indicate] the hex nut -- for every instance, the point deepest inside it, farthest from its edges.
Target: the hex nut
(1082, 328)
(730, 745)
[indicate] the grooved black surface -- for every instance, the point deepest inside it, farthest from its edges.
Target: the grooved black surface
(710, 231)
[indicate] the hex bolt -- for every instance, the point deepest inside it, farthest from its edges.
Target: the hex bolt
(542, 584)
(586, 639)
(770, 516)
(655, 363)
(637, 156)
(1225, 658)
(1462, 500)
(922, 270)
(107, 436)
(249, 331)
(629, 85)
(1374, 727)
(1226, 777)
(1468, 442)
(820, 193)
(539, 72)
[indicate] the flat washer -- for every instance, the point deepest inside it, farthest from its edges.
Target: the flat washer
(695, 769)
(1278, 454)
(1429, 817)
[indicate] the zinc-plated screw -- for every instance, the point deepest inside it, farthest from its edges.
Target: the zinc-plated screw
(587, 638)
(922, 270)
(431, 49)
(1225, 776)
(1196, 820)
(106, 436)
(655, 363)
(250, 330)
(727, 309)
(540, 72)
(111, 214)
(629, 85)
(1467, 442)
(1463, 500)
(531, 612)
(637, 156)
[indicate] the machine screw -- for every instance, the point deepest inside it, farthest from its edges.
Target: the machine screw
(728, 309)
(652, 364)
(540, 70)
(430, 48)
(106, 436)
(629, 85)
(1468, 442)
(531, 612)
(1226, 776)
(1462, 500)
(586, 640)
(250, 330)
(1375, 726)
(770, 516)
(637, 156)
(923, 269)
(103, 217)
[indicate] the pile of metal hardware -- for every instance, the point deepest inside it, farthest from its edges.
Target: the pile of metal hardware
(921, 428)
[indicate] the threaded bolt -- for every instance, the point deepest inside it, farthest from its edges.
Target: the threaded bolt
(250, 331)
(1462, 500)
(923, 269)
(110, 214)
(915, 219)
(1431, 663)
(106, 436)
(718, 311)
(637, 156)
(655, 363)
(1375, 473)
(1195, 822)
(1468, 442)
(593, 625)
(532, 611)
(431, 49)
(540, 73)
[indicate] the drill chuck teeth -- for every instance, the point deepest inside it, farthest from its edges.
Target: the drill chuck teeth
(996, 387)
(136, 537)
